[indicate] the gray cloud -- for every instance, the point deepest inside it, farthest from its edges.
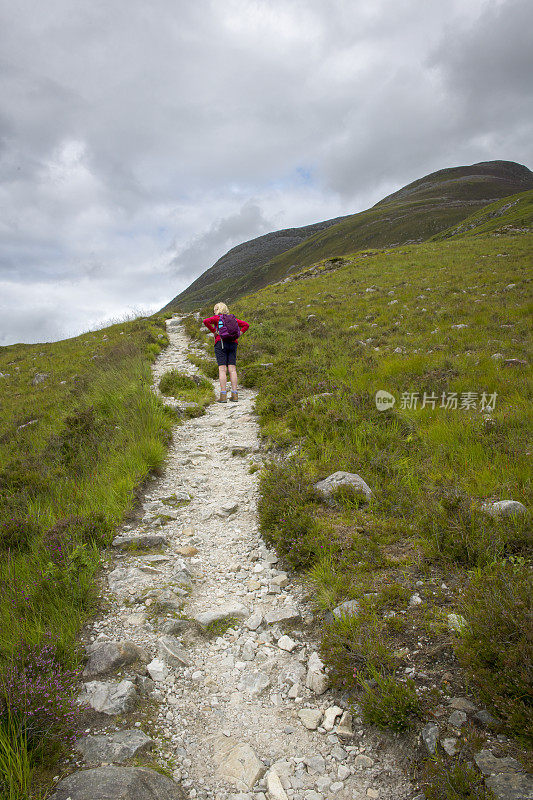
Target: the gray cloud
(224, 234)
(139, 142)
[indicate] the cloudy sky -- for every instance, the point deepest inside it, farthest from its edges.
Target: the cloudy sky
(139, 141)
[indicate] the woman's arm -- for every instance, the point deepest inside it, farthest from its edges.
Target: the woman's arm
(243, 325)
(210, 323)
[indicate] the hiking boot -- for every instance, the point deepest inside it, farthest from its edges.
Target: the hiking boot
(223, 397)
(234, 397)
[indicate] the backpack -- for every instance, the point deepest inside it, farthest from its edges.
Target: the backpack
(228, 327)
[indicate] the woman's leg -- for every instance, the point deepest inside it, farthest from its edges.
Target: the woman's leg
(233, 377)
(222, 377)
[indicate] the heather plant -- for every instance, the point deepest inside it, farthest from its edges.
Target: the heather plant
(37, 699)
(456, 781)
(498, 603)
(353, 647)
(388, 702)
(17, 534)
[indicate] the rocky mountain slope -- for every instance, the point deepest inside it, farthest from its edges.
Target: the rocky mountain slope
(415, 213)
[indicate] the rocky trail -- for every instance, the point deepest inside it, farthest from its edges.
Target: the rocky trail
(202, 652)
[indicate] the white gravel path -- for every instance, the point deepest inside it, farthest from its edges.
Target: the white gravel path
(239, 696)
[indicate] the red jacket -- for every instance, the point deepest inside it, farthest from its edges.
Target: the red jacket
(212, 324)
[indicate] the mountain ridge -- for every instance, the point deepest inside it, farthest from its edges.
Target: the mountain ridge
(416, 212)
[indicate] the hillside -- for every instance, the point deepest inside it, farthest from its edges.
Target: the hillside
(437, 582)
(415, 213)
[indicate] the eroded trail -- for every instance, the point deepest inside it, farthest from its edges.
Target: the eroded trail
(236, 692)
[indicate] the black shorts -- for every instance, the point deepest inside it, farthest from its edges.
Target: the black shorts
(226, 355)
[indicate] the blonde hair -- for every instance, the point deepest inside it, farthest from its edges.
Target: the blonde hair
(221, 308)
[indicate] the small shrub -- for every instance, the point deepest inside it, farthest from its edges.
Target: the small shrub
(392, 596)
(497, 646)
(77, 446)
(208, 366)
(456, 531)
(388, 703)
(220, 626)
(17, 534)
(353, 647)
(348, 497)
(93, 529)
(459, 781)
(286, 515)
(174, 382)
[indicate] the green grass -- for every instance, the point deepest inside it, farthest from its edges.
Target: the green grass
(455, 781)
(75, 449)
(430, 468)
(191, 390)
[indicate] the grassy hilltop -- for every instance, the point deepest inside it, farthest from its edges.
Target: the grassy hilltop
(448, 318)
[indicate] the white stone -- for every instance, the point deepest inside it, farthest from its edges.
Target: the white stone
(327, 486)
(344, 728)
(286, 643)
(253, 622)
(109, 697)
(157, 670)
(310, 717)
(275, 787)
(343, 772)
(237, 763)
(171, 651)
(283, 614)
(254, 684)
(350, 608)
(330, 716)
(457, 623)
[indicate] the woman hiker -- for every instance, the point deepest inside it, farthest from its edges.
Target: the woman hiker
(225, 351)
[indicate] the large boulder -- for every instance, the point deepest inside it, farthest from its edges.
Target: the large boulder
(117, 783)
(505, 508)
(107, 656)
(327, 487)
(109, 697)
(114, 747)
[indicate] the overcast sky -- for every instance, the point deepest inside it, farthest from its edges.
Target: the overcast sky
(139, 141)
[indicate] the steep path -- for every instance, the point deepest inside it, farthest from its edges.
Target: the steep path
(238, 693)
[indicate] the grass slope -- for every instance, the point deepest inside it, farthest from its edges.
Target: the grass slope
(416, 213)
(80, 430)
(425, 320)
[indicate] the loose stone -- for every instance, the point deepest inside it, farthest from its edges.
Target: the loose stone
(310, 717)
(111, 697)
